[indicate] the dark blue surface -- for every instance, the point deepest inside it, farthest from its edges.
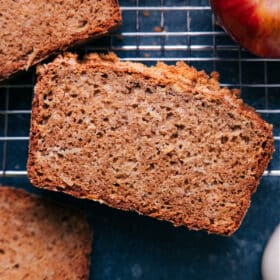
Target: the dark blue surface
(126, 245)
(129, 246)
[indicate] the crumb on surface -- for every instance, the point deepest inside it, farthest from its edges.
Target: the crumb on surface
(158, 29)
(146, 13)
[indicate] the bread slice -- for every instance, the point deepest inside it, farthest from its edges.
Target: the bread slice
(30, 30)
(164, 141)
(41, 240)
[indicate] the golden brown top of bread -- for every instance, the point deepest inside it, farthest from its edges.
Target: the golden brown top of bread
(30, 30)
(41, 240)
(165, 141)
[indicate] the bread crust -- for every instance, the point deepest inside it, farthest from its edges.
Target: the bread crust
(162, 75)
(7, 70)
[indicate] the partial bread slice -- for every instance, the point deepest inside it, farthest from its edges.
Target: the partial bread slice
(164, 141)
(41, 240)
(32, 30)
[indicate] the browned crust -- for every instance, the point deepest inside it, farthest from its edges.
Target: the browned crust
(113, 23)
(172, 76)
(28, 199)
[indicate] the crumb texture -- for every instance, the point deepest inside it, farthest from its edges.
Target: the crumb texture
(30, 30)
(165, 141)
(41, 240)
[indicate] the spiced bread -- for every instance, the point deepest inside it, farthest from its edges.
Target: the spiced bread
(41, 240)
(165, 141)
(31, 30)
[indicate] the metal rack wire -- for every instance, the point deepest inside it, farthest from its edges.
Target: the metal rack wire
(157, 30)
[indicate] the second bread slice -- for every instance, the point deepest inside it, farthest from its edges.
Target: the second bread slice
(40, 239)
(165, 141)
(31, 30)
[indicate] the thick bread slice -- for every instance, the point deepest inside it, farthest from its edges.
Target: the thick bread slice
(41, 240)
(164, 141)
(30, 30)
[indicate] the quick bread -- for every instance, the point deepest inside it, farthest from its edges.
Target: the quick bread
(32, 30)
(41, 240)
(165, 141)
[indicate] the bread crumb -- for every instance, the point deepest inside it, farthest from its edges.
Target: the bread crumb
(158, 29)
(146, 13)
(169, 142)
(146, 55)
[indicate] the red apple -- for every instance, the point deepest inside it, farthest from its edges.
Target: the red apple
(255, 24)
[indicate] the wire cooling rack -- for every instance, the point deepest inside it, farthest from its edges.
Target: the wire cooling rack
(157, 30)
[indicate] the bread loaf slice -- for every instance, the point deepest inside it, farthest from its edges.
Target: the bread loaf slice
(41, 240)
(165, 141)
(30, 30)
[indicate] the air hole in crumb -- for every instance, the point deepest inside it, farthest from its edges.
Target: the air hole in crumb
(148, 91)
(236, 127)
(211, 221)
(44, 120)
(99, 134)
(116, 184)
(105, 119)
(174, 135)
(264, 144)
(104, 75)
(180, 126)
(169, 115)
(82, 23)
(224, 139)
(2, 251)
(245, 138)
(96, 91)
(214, 183)
(211, 149)
(16, 265)
(151, 166)
(60, 155)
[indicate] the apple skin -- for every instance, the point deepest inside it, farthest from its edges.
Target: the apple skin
(254, 24)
